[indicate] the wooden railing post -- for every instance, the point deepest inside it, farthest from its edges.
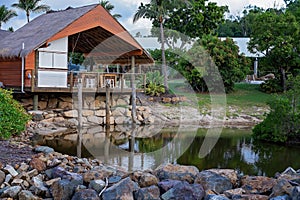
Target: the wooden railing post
(71, 81)
(32, 80)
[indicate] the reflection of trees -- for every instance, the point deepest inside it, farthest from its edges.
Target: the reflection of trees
(276, 158)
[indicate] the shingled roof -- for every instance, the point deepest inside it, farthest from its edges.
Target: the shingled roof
(37, 32)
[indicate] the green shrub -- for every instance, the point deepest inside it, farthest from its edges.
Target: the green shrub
(13, 117)
(154, 89)
(271, 86)
(282, 124)
(154, 84)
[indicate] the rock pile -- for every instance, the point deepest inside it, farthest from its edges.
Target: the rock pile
(51, 175)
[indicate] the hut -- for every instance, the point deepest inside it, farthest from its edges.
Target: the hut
(36, 58)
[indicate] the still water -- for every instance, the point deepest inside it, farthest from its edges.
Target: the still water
(233, 148)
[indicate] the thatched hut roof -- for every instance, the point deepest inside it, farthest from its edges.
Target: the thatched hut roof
(37, 32)
(4, 33)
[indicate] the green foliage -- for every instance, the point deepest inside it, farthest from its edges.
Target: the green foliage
(282, 124)
(154, 89)
(154, 83)
(210, 56)
(6, 14)
(12, 115)
(271, 86)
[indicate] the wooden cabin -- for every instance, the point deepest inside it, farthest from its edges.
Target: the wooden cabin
(36, 57)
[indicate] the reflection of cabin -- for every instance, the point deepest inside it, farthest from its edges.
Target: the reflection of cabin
(35, 58)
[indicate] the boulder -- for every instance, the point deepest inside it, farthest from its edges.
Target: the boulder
(39, 187)
(122, 190)
(2, 177)
(100, 113)
(62, 190)
(250, 197)
(237, 191)
(96, 174)
(27, 195)
(257, 184)
(86, 194)
(37, 164)
(283, 197)
(165, 185)
(147, 179)
(71, 114)
(282, 187)
(213, 181)
(44, 149)
(95, 119)
(11, 192)
(87, 113)
(74, 178)
(296, 193)
(97, 185)
(177, 172)
(228, 173)
(215, 197)
(151, 193)
(184, 190)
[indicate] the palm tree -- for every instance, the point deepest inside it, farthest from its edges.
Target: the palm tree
(31, 6)
(109, 7)
(6, 14)
(156, 10)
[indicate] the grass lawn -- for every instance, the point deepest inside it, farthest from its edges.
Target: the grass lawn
(244, 95)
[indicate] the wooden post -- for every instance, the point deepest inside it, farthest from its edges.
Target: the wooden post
(79, 142)
(32, 80)
(107, 106)
(71, 81)
(133, 91)
(35, 102)
(79, 105)
(122, 82)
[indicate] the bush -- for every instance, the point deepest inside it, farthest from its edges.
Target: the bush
(13, 117)
(271, 86)
(154, 84)
(282, 124)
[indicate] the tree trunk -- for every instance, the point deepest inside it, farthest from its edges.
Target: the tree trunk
(163, 56)
(283, 79)
(27, 15)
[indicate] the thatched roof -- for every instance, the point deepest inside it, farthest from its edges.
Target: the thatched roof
(4, 33)
(37, 33)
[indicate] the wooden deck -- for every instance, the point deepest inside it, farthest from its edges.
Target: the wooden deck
(93, 82)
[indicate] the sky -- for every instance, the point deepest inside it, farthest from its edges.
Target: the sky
(127, 9)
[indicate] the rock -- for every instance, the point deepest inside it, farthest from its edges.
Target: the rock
(284, 197)
(71, 114)
(212, 181)
(282, 187)
(42, 105)
(2, 177)
(215, 197)
(8, 178)
(165, 185)
(120, 120)
(257, 184)
(50, 182)
(37, 115)
(23, 167)
(96, 175)
(11, 192)
(250, 197)
(147, 179)
(32, 173)
(37, 164)
(184, 190)
(95, 119)
(289, 174)
(65, 105)
(177, 172)
(237, 191)
(62, 190)
(114, 179)
(229, 173)
(100, 113)
(86, 194)
(52, 103)
(151, 193)
(296, 193)
(59, 172)
(39, 188)
(87, 113)
(44, 149)
(27, 195)
(97, 185)
(10, 170)
(73, 122)
(17, 181)
(122, 190)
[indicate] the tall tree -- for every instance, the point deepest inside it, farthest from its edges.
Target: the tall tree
(6, 14)
(277, 36)
(31, 6)
(156, 11)
(109, 7)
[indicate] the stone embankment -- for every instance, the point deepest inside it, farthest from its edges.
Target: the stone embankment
(51, 175)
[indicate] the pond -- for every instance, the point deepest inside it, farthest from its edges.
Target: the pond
(148, 147)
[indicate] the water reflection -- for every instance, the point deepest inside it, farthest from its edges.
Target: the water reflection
(140, 148)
